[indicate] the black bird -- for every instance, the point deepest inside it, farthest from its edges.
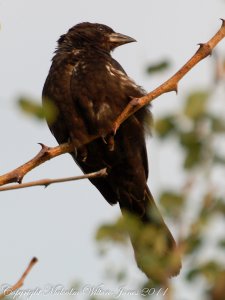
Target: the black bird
(89, 89)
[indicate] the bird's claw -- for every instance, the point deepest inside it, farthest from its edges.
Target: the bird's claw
(82, 154)
(109, 140)
(115, 128)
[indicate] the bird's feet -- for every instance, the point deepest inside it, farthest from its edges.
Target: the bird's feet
(109, 140)
(82, 153)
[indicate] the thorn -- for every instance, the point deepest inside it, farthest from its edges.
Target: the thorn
(34, 260)
(223, 22)
(19, 179)
(176, 89)
(43, 146)
(200, 45)
(207, 48)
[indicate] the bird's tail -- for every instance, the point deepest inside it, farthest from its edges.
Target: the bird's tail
(155, 249)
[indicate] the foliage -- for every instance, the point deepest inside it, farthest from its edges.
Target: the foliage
(158, 67)
(32, 108)
(199, 132)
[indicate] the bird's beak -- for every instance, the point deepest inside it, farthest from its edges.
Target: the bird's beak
(117, 39)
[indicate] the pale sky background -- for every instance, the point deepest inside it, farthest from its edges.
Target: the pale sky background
(57, 224)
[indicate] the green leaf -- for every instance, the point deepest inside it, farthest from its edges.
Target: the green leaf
(193, 146)
(219, 206)
(172, 202)
(206, 211)
(217, 291)
(210, 270)
(196, 104)
(192, 274)
(219, 159)
(31, 107)
(192, 243)
(218, 124)
(112, 232)
(192, 158)
(164, 126)
(190, 139)
(50, 111)
(121, 276)
(158, 67)
(222, 243)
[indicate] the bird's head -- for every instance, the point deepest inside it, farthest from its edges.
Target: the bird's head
(93, 35)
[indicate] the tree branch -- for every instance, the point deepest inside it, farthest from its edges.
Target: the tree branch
(47, 182)
(171, 84)
(45, 154)
(20, 282)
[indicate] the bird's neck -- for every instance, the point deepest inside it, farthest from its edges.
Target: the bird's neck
(69, 47)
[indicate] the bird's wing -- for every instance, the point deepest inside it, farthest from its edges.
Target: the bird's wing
(100, 92)
(68, 124)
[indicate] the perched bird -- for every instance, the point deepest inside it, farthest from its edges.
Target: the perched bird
(89, 89)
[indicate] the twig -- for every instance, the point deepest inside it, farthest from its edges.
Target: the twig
(46, 153)
(172, 83)
(46, 182)
(20, 282)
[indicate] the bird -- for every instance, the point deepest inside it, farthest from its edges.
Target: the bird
(88, 89)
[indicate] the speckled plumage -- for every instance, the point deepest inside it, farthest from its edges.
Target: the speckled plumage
(90, 89)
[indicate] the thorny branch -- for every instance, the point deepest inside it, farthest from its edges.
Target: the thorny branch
(47, 182)
(45, 154)
(16, 286)
(171, 84)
